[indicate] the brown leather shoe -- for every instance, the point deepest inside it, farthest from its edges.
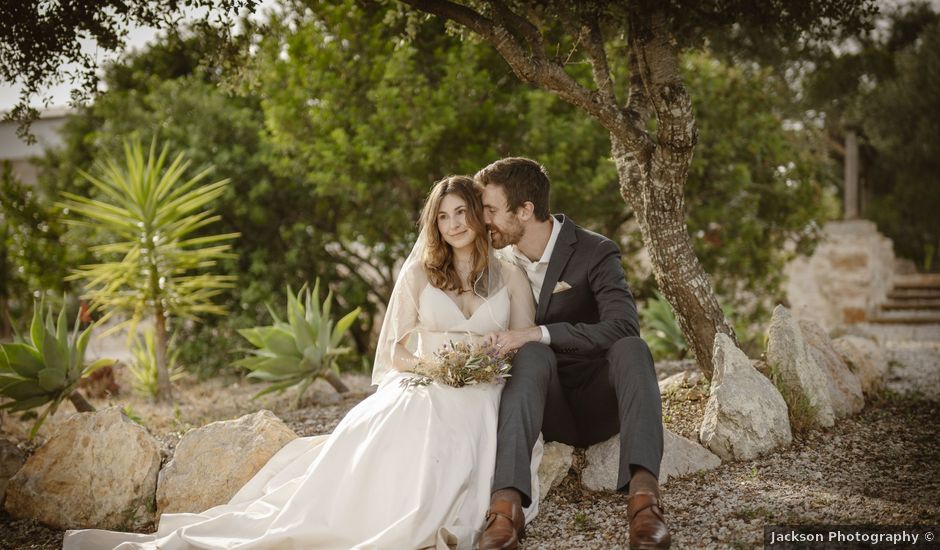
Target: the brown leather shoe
(504, 526)
(648, 529)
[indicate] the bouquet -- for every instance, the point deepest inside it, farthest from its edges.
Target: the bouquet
(461, 364)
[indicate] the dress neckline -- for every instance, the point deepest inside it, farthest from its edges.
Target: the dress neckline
(457, 306)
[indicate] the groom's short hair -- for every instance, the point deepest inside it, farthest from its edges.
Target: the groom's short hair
(522, 180)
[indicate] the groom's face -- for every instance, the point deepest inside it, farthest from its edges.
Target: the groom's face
(504, 226)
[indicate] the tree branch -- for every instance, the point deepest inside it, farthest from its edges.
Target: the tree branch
(638, 102)
(510, 19)
(540, 70)
(597, 55)
(658, 60)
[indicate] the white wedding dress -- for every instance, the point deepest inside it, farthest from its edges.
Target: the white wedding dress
(406, 468)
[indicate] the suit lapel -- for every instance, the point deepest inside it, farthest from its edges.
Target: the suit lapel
(564, 248)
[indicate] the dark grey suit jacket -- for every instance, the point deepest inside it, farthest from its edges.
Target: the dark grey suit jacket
(585, 320)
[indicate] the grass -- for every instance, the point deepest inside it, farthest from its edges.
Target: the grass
(801, 413)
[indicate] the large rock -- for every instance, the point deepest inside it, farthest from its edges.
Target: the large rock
(799, 373)
(11, 460)
(680, 457)
(745, 416)
(845, 390)
(212, 463)
(98, 469)
(556, 461)
(865, 358)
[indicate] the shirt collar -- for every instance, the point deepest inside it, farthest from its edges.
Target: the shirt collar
(549, 247)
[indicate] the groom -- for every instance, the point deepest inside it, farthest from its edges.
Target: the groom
(583, 373)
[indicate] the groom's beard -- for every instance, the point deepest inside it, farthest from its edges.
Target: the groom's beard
(503, 237)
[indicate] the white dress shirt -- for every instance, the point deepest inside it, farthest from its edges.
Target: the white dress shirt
(535, 270)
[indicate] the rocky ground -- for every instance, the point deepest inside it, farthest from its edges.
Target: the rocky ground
(879, 467)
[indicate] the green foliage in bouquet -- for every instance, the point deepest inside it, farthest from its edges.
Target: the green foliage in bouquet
(301, 349)
(144, 365)
(661, 329)
(460, 364)
(46, 367)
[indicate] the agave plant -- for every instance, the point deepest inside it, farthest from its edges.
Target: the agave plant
(143, 367)
(47, 367)
(661, 329)
(156, 266)
(303, 348)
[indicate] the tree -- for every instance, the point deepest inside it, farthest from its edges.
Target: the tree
(363, 124)
(885, 89)
(157, 267)
(41, 42)
(647, 109)
(32, 258)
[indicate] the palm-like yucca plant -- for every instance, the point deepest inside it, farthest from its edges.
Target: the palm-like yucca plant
(143, 367)
(661, 329)
(303, 348)
(156, 266)
(46, 367)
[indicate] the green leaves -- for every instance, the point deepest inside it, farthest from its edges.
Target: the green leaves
(158, 263)
(154, 212)
(47, 368)
(661, 330)
(301, 349)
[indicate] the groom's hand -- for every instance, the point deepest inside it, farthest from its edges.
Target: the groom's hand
(511, 340)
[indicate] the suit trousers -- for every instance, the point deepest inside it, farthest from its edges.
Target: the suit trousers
(616, 395)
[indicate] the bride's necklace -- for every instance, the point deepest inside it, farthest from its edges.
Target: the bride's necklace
(463, 269)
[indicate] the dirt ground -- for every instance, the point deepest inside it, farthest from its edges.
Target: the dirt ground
(879, 467)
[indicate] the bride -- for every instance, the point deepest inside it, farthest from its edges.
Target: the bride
(408, 467)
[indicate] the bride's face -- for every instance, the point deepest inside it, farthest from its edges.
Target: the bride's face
(452, 222)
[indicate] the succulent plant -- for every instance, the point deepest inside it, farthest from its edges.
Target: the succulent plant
(46, 367)
(301, 349)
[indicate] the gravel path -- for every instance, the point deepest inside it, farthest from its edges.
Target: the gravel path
(881, 466)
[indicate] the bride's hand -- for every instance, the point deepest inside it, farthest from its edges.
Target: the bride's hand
(511, 340)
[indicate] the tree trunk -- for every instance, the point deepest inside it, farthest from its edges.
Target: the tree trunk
(335, 381)
(678, 272)
(81, 405)
(164, 389)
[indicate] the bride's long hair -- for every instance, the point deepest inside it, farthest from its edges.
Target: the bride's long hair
(438, 260)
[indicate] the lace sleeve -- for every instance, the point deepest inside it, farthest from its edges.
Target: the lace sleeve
(521, 302)
(401, 321)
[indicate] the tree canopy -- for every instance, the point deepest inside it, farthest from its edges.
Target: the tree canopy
(41, 43)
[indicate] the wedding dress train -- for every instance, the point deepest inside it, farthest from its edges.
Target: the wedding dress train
(408, 467)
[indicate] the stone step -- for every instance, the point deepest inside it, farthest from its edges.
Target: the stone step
(914, 294)
(918, 281)
(916, 317)
(890, 332)
(912, 304)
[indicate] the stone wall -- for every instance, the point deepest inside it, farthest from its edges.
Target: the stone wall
(846, 278)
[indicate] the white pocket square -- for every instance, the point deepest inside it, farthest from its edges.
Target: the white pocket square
(560, 286)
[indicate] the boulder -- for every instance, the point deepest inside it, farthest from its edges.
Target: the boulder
(745, 416)
(556, 461)
(99, 469)
(680, 457)
(683, 456)
(845, 390)
(798, 371)
(11, 460)
(602, 464)
(864, 358)
(213, 462)
(684, 379)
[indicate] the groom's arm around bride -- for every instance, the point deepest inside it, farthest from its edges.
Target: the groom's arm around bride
(583, 374)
